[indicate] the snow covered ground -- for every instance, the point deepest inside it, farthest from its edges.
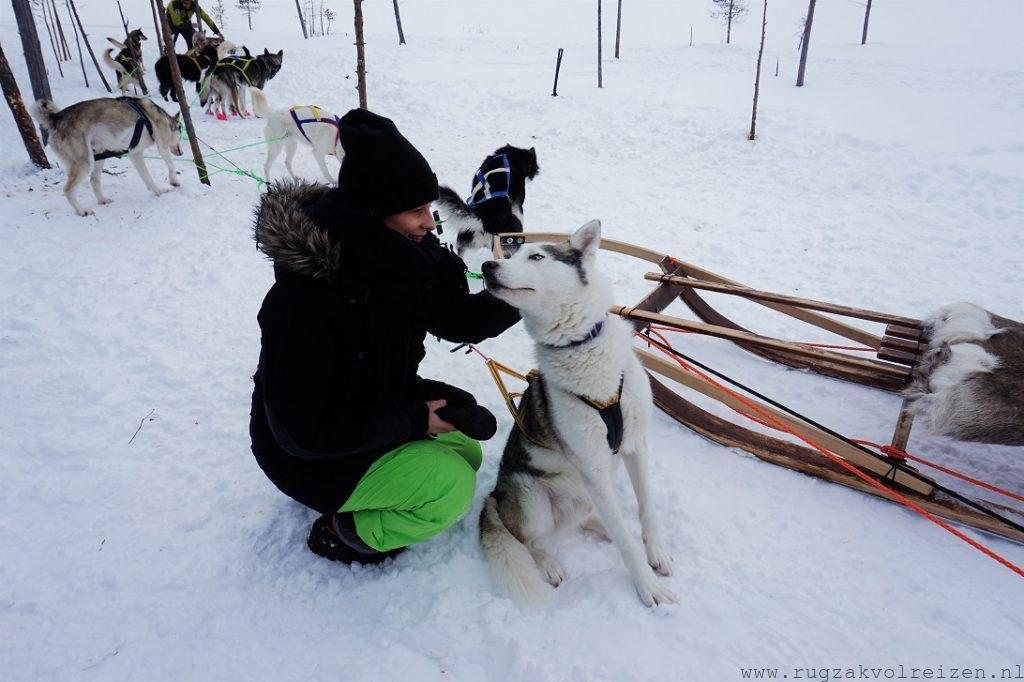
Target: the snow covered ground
(894, 179)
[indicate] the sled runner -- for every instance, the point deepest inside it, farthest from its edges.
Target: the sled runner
(889, 360)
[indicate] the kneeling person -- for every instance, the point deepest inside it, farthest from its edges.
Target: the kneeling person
(340, 419)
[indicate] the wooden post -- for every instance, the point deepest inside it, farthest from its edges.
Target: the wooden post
(33, 53)
(78, 44)
(728, 25)
(60, 30)
(53, 43)
(398, 22)
(302, 19)
(124, 22)
(558, 67)
(804, 43)
(757, 78)
(156, 25)
(360, 53)
(179, 94)
(776, 66)
(867, 15)
(618, 29)
(21, 117)
(88, 47)
(691, 35)
(600, 81)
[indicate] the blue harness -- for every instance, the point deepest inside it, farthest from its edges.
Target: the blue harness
(142, 122)
(492, 181)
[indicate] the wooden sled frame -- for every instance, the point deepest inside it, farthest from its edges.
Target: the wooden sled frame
(898, 350)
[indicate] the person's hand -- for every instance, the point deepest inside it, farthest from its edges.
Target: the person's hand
(435, 424)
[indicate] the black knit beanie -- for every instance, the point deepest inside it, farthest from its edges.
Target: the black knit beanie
(381, 171)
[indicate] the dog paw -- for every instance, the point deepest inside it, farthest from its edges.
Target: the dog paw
(552, 572)
(104, 202)
(659, 559)
(175, 182)
(652, 593)
(85, 212)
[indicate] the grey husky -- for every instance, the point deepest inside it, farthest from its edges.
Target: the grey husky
(127, 65)
(85, 134)
(231, 76)
(584, 412)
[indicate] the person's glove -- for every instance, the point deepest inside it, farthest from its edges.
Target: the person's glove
(475, 421)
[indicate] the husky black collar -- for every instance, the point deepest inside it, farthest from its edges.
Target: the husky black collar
(594, 332)
(142, 122)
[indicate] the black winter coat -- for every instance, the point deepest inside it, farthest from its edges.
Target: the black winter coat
(342, 338)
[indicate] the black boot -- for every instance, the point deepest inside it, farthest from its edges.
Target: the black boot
(333, 536)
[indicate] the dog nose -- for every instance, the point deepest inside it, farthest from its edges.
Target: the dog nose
(489, 266)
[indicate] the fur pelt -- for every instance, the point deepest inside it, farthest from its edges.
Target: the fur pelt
(286, 233)
(970, 385)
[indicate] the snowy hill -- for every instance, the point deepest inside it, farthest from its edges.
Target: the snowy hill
(893, 180)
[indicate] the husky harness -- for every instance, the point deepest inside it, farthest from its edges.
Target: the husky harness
(318, 116)
(492, 181)
(142, 122)
(233, 63)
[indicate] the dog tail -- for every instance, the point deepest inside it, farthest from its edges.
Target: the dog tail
(44, 112)
(260, 105)
(511, 563)
(462, 221)
(109, 61)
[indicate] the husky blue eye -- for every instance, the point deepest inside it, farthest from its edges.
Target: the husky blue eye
(536, 256)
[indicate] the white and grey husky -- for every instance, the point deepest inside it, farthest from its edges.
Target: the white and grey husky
(315, 127)
(587, 409)
(85, 134)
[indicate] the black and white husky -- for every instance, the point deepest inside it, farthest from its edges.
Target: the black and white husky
(85, 134)
(586, 410)
(127, 65)
(495, 203)
(314, 127)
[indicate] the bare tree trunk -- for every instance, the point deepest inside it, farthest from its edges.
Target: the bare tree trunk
(322, 18)
(78, 44)
(248, 14)
(302, 20)
(21, 117)
(757, 78)
(728, 25)
(50, 32)
(776, 66)
(864, 33)
(360, 53)
(179, 94)
(398, 22)
(60, 31)
(600, 80)
(33, 52)
(618, 29)
(691, 35)
(156, 25)
(88, 47)
(805, 43)
(124, 22)
(558, 67)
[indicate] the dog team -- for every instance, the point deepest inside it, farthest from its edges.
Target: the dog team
(584, 412)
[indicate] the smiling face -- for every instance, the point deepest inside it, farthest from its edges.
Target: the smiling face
(544, 276)
(413, 224)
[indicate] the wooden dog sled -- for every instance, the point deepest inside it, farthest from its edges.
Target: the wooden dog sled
(897, 348)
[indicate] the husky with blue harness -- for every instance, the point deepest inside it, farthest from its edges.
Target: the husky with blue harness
(309, 124)
(495, 202)
(85, 134)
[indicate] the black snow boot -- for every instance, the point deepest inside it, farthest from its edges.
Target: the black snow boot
(333, 536)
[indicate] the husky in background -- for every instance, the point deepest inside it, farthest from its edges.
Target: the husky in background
(84, 135)
(127, 65)
(970, 385)
(496, 200)
(315, 127)
(232, 75)
(192, 64)
(586, 410)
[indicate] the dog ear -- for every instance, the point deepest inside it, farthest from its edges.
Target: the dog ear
(280, 53)
(266, 51)
(587, 239)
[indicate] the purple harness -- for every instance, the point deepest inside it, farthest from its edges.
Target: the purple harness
(299, 122)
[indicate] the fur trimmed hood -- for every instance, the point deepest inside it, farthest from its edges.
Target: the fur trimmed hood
(287, 232)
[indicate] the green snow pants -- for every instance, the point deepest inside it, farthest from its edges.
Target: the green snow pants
(415, 491)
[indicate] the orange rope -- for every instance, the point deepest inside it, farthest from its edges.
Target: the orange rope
(838, 460)
(896, 452)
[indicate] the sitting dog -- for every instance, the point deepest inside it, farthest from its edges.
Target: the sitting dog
(496, 201)
(191, 65)
(85, 134)
(127, 65)
(584, 412)
(315, 127)
(232, 75)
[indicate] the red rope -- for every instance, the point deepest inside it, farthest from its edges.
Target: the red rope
(896, 452)
(838, 460)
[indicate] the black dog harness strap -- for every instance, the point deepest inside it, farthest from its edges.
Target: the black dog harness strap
(142, 122)
(611, 414)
